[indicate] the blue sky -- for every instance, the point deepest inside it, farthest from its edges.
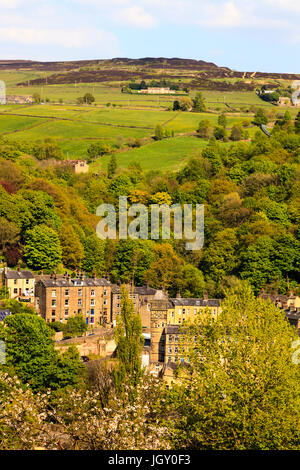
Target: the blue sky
(245, 35)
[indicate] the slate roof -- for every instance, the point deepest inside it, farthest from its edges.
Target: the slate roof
(19, 275)
(74, 282)
(143, 290)
(172, 329)
(195, 302)
(4, 313)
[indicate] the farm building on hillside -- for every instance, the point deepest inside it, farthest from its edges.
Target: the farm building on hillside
(79, 166)
(158, 91)
(284, 101)
(19, 99)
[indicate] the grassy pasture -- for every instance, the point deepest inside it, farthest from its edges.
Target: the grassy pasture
(168, 154)
(10, 124)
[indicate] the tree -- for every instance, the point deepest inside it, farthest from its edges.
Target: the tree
(297, 123)
(9, 233)
(241, 384)
(158, 132)
(220, 133)
(112, 166)
(88, 98)
(260, 117)
(219, 258)
(42, 248)
(222, 120)
(75, 326)
(47, 149)
(176, 105)
(166, 270)
(192, 283)
(36, 97)
(97, 150)
(30, 351)
(204, 129)
(236, 133)
(129, 341)
(93, 260)
(71, 246)
(198, 103)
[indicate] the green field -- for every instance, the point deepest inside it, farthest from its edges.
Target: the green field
(134, 116)
(168, 154)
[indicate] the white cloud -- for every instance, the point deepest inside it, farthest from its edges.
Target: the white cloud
(135, 16)
(76, 38)
(286, 5)
(228, 15)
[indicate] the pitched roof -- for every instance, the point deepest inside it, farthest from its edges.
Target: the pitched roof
(68, 282)
(172, 329)
(4, 313)
(18, 274)
(142, 290)
(195, 302)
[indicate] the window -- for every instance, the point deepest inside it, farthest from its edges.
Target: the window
(92, 311)
(183, 311)
(170, 338)
(105, 302)
(176, 350)
(66, 292)
(54, 293)
(92, 301)
(118, 297)
(79, 292)
(148, 307)
(195, 311)
(66, 302)
(53, 313)
(53, 303)
(179, 311)
(15, 291)
(27, 281)
(79, 310)
(15, 281)
(170, 350)
(92, 293)
(176, 338)
(118, 305)
(66, 313)
(105, 292)
(79, 301)
(92, 319)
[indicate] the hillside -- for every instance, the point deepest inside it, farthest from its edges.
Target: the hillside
(192, 73)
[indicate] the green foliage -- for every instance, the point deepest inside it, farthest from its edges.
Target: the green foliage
(98, 149)
(129, 341)
(240, 385)
(198, 103)
(75, 326)
(260, 117)
(30, 351)
(42, 248)
(112, 166)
